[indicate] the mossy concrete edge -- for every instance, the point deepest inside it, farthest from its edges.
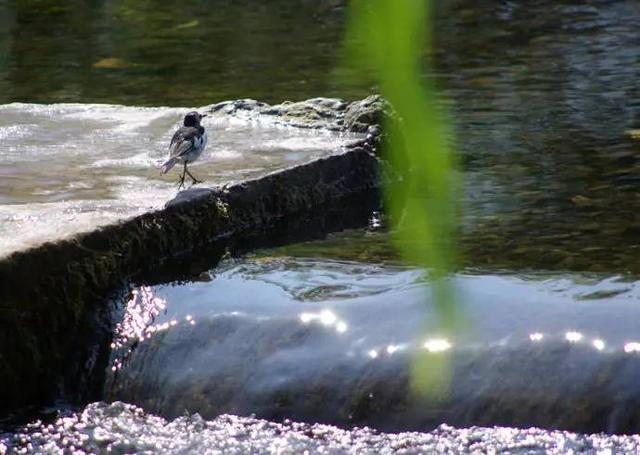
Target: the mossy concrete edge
(47, 293)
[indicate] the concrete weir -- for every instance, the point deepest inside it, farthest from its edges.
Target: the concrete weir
(53, 296)
(522, 363)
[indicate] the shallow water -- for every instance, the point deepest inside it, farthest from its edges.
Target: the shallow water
(142, 53)
(66, 168)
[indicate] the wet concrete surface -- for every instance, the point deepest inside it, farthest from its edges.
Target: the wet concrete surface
(71, 168)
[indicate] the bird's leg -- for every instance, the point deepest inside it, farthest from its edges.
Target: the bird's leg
(181, 179)
(192, 177)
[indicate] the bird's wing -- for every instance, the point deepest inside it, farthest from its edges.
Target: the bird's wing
(182, 142)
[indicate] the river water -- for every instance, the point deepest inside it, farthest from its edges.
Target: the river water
(546, 106)
(543, 94)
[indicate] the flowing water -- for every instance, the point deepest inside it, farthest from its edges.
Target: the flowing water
(67, 168)
(546, 104)
(330, 330)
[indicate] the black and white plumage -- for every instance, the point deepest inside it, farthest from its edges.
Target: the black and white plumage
(186, 146)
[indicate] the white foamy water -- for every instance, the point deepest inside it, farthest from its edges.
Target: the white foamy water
(122, 428)
(67, 168)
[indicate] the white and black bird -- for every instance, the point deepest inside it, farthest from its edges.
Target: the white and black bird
(186, 146)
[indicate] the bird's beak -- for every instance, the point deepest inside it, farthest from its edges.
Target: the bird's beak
(204, 115)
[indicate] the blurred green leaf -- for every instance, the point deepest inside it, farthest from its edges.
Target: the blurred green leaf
(386, 41)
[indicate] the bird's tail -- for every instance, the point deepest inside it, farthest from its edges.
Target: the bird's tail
(168, 165)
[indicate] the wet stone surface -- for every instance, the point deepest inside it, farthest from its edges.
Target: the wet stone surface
(326, 113)
(121, 428)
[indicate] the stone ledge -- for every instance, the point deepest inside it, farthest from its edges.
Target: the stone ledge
(50, 293)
